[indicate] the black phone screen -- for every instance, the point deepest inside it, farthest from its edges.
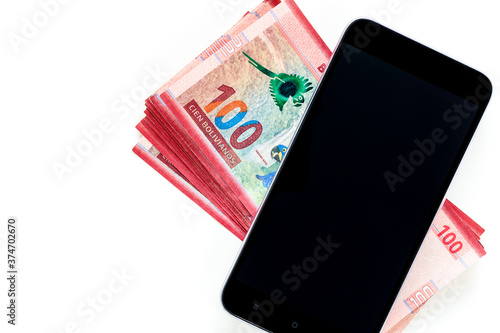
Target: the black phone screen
(359, 188)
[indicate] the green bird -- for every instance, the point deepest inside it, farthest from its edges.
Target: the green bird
(283, 86)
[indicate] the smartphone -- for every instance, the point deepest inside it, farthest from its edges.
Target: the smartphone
(358, 188)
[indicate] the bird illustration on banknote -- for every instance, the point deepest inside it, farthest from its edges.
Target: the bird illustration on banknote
(277, 153)
(283, 86)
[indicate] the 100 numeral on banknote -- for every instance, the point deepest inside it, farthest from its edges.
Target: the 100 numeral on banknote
(249, 106)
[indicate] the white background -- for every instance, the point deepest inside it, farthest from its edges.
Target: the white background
(114, 214)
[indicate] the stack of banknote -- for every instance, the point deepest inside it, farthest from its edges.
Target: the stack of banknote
(219, 129)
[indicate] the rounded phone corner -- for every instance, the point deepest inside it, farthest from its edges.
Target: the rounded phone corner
(223, 300)
(486, 83)
(360, 22)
